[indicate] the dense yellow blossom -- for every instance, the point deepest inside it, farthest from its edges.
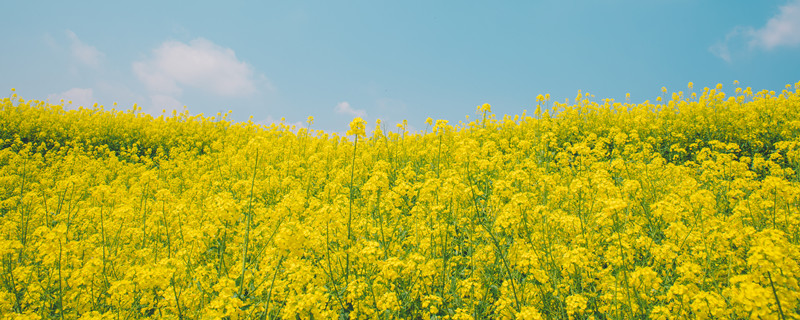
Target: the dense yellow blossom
(686, 208)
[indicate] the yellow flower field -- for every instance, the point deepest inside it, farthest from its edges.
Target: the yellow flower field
(686, 207)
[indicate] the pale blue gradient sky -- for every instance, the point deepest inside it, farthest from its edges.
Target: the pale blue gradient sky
(390, 60)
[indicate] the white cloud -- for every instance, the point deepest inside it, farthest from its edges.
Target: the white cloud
(78, 96)
(199, 64)
(345, 108)
(782, 30)
(84, 53)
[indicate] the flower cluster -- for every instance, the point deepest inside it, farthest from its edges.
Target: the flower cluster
(684, 208)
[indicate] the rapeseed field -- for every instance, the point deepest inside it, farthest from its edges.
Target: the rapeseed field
(687, 207)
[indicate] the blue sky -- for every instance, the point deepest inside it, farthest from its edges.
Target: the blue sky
(389, 60)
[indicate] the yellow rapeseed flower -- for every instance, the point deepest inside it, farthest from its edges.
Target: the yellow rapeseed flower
(357, 127)
(591, 209)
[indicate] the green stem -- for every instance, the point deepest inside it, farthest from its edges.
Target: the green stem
(383, 235)
(350, 215)
(177, 298)
(272, 284)
(330, 269)
(248, 217)
(60, 288)
(775, 293)
(495, 242)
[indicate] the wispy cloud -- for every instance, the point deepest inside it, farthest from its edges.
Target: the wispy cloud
(345, 108)
(782, 30)
(83, 52)
(734, 42)
(199, 64)
(79, 97)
